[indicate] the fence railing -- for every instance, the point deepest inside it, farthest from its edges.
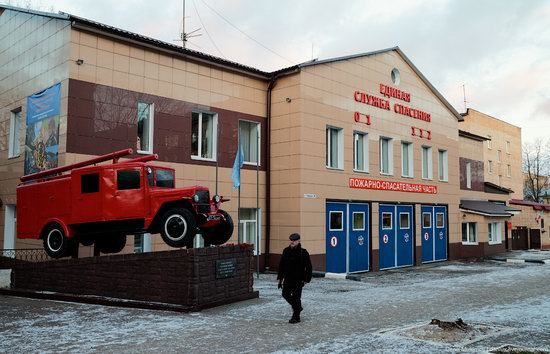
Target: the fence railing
(25, 254)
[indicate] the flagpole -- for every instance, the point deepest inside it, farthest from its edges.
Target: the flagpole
(258, 204)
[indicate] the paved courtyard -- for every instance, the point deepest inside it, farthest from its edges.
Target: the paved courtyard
(387, 312)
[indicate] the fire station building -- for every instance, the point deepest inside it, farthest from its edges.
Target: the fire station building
(360, 154)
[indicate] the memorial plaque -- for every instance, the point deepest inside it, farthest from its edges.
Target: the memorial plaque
(226, 268)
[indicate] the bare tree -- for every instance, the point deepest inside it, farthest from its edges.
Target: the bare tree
(536, 167)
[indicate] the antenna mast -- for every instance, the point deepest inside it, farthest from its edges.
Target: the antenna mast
(464, 93)
(183, 35)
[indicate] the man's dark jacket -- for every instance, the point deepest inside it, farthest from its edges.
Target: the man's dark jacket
(295, 265)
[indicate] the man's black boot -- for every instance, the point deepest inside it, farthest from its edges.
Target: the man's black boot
(294, 319)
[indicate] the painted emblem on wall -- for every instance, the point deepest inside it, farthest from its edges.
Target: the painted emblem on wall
(42, 133)
(406, 237)
(441, 235)
(360, 240)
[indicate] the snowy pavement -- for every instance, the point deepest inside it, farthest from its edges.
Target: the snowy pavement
(378, 314)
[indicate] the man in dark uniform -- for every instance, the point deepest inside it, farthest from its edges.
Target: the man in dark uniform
(294, 272)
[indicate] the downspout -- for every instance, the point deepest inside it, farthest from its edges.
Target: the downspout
(272, 82)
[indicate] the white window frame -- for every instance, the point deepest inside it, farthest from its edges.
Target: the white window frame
(389, 141)
(258, 142)
(14, 149)
(429, 226)
(468, 241)
(409, 158)
(490, 166)
(151, 128)
(469, 175)
(391, 221)
(494, 233)
(10, 227)
(428, 163)
(256, 222)
(365, 138)
(443, 165)
(353, 220)
(408, 226)
(437, 226)
(330, 219)
(200, 137)
(339, 147)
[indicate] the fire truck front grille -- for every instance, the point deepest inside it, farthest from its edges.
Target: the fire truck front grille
(203, 205)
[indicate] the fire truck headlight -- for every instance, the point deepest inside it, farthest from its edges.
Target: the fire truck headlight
(216, 198)
(196, 198)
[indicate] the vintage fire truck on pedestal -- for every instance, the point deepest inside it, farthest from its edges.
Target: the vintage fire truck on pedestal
(101, 204)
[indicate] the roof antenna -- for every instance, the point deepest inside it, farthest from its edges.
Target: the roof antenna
(464, 93)
(185, 36)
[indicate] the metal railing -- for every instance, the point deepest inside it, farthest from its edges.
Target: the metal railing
(25, 254)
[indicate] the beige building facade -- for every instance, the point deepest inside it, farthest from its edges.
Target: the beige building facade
(361, 155)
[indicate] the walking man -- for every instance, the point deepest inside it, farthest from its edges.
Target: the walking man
(294, 272)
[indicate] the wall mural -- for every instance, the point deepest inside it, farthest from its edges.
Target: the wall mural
(42, 133)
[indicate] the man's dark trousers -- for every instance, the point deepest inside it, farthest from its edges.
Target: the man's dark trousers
(292, 292)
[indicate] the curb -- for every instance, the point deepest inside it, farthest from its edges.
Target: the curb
(513, 260)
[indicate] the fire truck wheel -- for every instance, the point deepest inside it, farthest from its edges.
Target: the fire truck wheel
(56, 243)
(178, 227)
(220, 234)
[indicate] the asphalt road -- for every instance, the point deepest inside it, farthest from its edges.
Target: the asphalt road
(387, 312)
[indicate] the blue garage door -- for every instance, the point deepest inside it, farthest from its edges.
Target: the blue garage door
(396, 244)
(434, 233)
(347, 237)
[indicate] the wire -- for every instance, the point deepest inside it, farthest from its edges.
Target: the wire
(238, 29)
(208, 34)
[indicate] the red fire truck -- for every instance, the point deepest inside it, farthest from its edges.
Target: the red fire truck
(102, 203)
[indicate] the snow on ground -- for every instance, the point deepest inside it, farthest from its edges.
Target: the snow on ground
(375, 315)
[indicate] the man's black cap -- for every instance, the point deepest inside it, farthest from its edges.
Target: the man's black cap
(294, 237)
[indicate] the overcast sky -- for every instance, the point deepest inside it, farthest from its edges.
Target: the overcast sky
(498, 49)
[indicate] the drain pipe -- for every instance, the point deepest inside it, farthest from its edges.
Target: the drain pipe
(267, 172)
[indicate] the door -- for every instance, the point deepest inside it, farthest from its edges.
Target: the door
(519, 238)
(534, 238)
(427, 229)
(336, 245)
(404, 236)
(386, 253)
(359, 237)
(440, 235)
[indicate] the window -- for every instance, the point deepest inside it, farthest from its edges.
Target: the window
(145, 128)
(336, 223)
(427, 162)
(358, 221)
(165, 178)
(443, 166)
(404, 220)
(494, 232)
(127, 179)
(89, 183)
(426, 220)
(489, 142)
(468, 175)
(507, 147)
(249, 133)
(248, 227)
(499, 180)
(386, 156)
(509, 171)
(15, 127)
(386, 221)
(498, 156)
(439, 220)
(335, 148)
(10, 227)
(490, 166)
(204, 135)
(395, 76)
(407, 159)
(360, 152)
(469, 233)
